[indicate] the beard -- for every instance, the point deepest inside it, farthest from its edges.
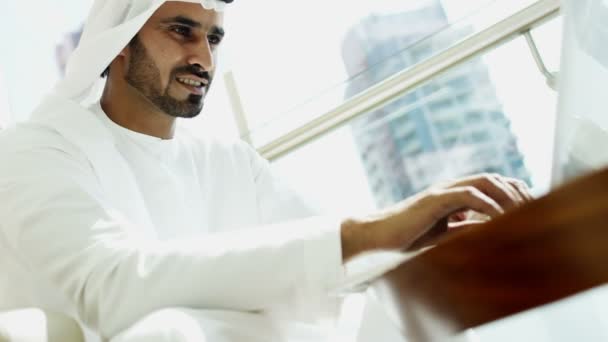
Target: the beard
(144, 76)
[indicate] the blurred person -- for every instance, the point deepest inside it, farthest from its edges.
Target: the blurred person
(65, 48)
(141, 232)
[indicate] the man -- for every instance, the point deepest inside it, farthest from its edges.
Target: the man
(144, 233)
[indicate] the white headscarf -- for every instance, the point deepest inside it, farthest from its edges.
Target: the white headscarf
(110, 26)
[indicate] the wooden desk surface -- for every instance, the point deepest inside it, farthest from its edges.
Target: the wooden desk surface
(551, 248)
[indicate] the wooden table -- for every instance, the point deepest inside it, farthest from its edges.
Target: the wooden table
(551, 248)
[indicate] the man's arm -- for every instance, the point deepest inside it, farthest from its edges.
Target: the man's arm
(56, 218)
(411, 223)
(423, 217)
(58, 221)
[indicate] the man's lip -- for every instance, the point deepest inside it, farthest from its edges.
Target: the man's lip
(193, 89)
(204, 81)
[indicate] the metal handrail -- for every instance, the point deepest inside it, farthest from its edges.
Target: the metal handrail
(382, 93)
(550, 77)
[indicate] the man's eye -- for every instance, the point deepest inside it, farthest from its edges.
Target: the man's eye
(182, 30)
(214, 39)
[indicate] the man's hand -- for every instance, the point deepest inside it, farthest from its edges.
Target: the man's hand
(418, 220)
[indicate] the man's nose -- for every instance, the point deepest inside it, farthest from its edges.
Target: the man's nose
(203, 56)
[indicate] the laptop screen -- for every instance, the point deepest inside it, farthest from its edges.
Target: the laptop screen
(581, 143)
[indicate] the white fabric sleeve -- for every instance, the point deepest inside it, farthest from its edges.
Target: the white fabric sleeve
(55, 217)
(277, 202)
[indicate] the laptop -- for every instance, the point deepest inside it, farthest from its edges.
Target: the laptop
(581, 138)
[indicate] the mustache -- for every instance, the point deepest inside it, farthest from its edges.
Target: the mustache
(194, 70)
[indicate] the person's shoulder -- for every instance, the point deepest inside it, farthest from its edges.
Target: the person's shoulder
(28, 136)
(36, 145)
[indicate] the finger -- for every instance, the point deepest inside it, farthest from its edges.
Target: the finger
(475, 216)
(467, 197)
(455, 226)
(493, 186)
(516, 199)
(512, 184)
(522, 188)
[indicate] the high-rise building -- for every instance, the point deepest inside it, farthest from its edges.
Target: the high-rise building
(451, 126)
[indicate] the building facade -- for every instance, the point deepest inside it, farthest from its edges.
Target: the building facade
(451, 126)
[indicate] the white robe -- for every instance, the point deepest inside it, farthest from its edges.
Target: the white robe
(109, 225)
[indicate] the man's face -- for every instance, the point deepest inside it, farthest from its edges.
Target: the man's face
(171, 60)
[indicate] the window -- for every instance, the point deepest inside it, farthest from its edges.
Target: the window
(475, 116)
(316, 66)
(489, 125)
(34, 53)
(459, 82)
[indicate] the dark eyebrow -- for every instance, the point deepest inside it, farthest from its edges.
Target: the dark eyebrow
(180, 19)
(183, 20)
(217, 30)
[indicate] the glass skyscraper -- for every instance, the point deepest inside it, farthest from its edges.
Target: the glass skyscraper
(451, 126)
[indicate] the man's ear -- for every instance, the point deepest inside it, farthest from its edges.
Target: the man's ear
(123, 56)
(124, 51)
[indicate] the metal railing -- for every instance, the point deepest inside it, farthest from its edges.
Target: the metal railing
(382, 93)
